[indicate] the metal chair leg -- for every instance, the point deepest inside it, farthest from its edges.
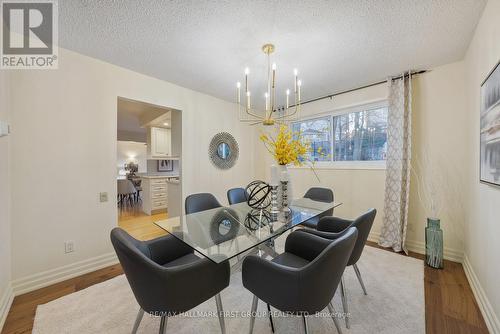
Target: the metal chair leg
(138, 320)
(356, 270)
(255, 302)
(343, 291)
(335, 320)
(306, 329)
(163, 325)
(270, 317)
(220, 313)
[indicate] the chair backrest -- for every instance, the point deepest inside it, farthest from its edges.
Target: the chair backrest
(125, 187)
(236, 195)
(364, 224)
(142, 273)
(321, 195)
(321, 277)
(201, 202)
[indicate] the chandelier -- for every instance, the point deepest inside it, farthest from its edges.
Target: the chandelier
(273, 112)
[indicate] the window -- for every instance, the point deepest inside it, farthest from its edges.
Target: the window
(318, 133)
(360, 136)
(357, 135)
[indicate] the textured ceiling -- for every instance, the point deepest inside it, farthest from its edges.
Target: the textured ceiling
(205, 45)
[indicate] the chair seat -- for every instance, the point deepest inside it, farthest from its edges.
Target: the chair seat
(186, 259)
(290, 260)
(311, 223)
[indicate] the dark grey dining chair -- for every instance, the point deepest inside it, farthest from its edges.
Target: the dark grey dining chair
(164, 275)
(303, 279)
(320, 195)
(201, 202)
(334, 227)
(236, 195)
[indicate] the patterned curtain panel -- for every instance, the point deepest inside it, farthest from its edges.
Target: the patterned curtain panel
(397, 182)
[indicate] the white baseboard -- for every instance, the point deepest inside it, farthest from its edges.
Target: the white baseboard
(49, 277)
(489, 315)
(419, 247)
(5, 304)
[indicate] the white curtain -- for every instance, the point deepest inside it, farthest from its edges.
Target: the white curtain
(397, 182)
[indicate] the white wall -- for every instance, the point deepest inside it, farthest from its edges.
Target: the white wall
(131, 151)
(5, 222)
(357, 189)
(70, 116)
(438, 155)
(482, 248)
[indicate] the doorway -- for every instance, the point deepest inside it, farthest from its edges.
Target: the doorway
(148, 166)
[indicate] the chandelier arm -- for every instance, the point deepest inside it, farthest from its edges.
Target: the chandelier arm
(251, 120)
(254, 115)
(297, 109)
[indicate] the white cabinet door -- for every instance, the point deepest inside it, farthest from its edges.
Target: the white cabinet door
(160, 142)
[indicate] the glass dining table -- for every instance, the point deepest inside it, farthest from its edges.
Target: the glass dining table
(224, 233)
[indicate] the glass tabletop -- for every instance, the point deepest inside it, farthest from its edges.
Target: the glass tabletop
(223, 233)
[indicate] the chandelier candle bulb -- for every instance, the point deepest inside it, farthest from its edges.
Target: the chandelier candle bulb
(299, 84)
(248, 100)
(238, 86)
(247, 71)
(274, 73)
(287, 98)
(266, 95)
(295, 73)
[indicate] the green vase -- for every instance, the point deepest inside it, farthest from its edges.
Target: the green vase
(434, 244)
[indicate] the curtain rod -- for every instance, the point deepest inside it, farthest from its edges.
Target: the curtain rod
(358, 88)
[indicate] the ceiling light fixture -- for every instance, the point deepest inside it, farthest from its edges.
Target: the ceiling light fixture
(273, 113)
(166, 124)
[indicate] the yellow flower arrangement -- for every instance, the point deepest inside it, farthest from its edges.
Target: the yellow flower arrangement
(290, 148)
(285, 149)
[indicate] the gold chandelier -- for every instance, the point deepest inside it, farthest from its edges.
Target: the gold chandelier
(273, 113)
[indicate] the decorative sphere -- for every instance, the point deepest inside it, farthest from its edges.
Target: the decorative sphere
(258, 194)
(256, 219)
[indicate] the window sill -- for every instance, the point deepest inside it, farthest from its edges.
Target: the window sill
(346, 165)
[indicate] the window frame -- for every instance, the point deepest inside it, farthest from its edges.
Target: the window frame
(358, 164)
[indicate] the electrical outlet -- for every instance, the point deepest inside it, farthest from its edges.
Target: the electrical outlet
(103, 197)
(4, 129)
(69, 247)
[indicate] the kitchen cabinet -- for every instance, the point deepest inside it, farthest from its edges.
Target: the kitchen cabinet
(159, 143)
(154, 197)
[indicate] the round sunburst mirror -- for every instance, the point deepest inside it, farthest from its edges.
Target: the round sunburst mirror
(223, 150)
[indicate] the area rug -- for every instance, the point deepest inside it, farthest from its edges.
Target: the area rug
(394, 304)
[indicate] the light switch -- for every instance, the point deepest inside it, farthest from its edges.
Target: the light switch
(4, 128)
(103, 197)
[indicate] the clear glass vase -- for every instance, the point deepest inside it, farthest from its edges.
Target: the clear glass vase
(434, 243)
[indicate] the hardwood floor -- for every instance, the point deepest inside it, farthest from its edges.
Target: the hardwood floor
(450, 306)
(140, 225)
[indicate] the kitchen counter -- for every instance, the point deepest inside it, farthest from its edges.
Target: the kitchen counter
(154, 176)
